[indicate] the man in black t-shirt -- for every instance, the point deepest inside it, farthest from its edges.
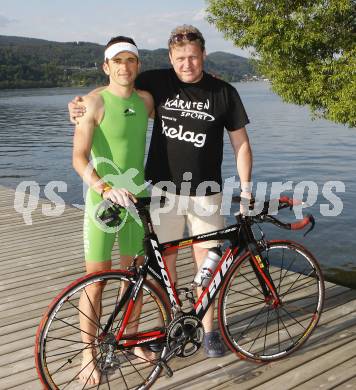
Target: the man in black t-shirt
(192, 109)
(189, 123)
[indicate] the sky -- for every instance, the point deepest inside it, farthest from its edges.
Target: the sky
(148, 22)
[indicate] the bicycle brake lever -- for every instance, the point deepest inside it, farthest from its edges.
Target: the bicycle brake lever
(133, 211)
(312, 221)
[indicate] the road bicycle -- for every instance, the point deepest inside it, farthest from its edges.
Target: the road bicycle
(271, 296)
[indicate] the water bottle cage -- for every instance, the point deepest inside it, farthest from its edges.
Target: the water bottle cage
(208, 270)
(208, 267)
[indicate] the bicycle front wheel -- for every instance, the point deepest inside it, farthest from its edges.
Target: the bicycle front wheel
(75, 323)
(251, 325)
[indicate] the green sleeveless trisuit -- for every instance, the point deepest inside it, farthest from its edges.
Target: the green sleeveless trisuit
(118, 150)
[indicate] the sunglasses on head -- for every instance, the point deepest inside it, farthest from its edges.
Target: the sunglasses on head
(190, 36)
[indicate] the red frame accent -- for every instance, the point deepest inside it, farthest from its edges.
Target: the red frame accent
(142, 337)
(126, 319)
(276, 301)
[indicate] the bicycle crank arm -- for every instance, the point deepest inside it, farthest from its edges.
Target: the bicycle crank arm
(163, 362)
(168, 371)
(171, 354)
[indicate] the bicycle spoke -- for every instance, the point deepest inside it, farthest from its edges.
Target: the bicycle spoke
(298, 279)
(248, 295)
(292, 318)
(286, 329)
(280, 274)
(290, 266)
(76, 375)
(50, 338)
(266, 328)
(249, 281)
(141, 358)
(256, 338)
(132, 365)
(278, 334)
(75, 327)
(299, 289)
(93, 309)
(90, 319)
(69, 360)
(66, 353)
(99, 383)
(119, 323)
(244, 305)
(96, 364)
(107, 380)
(252, 325)
(123, 378)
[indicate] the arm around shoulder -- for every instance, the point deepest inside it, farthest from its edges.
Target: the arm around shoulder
(148, 100)
(93, 111)
(76, 106)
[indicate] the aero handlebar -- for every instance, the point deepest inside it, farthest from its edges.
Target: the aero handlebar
(111, 212)
(283, 202)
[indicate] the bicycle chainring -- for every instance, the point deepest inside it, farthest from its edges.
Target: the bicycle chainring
(186, 333)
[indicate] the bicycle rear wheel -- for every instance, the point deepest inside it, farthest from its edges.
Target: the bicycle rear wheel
(60, 336)
(251, 326)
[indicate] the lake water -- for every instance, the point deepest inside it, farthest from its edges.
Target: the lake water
(36, 143)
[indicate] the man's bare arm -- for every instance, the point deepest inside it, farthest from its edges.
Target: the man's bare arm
(82, 143)
(243, 153)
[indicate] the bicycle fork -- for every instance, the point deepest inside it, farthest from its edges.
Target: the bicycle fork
(261, 268)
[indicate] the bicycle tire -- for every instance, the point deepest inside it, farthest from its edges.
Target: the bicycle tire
(251, 326)
(59, 341)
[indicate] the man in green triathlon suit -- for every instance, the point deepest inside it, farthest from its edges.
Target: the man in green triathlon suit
(113, 130)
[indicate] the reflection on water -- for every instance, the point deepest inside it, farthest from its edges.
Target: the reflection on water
(36, 144)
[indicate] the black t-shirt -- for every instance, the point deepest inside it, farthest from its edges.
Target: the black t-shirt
(189, 126)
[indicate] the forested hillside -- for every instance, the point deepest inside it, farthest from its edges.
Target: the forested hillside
(31, 63)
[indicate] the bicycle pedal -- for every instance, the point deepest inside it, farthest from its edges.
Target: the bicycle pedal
(166, 368)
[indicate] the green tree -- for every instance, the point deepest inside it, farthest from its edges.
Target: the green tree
(306, 48)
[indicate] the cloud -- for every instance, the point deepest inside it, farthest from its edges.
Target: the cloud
(4, 21)
(151, 31)
(200, 15)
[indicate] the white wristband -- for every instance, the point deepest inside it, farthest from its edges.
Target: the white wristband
(246, 187)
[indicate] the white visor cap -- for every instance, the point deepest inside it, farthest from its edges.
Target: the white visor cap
(117, 48)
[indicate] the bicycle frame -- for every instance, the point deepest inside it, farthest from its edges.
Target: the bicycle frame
(242, 243)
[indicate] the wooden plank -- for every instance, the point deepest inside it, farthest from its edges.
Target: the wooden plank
(348, 384)
(335, 376)
(49, 256)
(199, 370)
(230, 372)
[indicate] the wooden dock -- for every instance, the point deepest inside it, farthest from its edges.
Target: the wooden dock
(38, 260)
